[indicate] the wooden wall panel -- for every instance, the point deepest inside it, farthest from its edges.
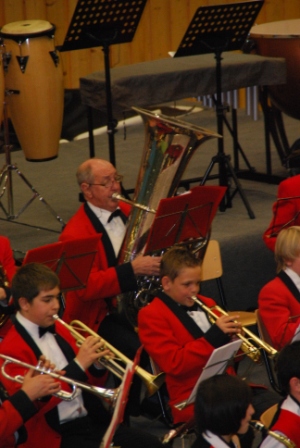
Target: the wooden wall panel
(160, 30)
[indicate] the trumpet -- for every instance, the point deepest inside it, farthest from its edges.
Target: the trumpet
(279, 437)
(152, 382)
(109, 395)
(247, 347)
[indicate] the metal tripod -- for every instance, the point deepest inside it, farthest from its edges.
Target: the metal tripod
(6, 184)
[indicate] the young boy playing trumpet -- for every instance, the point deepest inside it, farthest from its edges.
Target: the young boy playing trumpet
(179, 336)
(82, 421)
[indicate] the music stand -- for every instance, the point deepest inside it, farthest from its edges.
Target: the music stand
(71, 260)
(118, 414)
(103, 24)
(215, 29)
(184, 218)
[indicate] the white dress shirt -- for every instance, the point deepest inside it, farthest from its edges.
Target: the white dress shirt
(67, 410)
(115, 228)
(293, 276)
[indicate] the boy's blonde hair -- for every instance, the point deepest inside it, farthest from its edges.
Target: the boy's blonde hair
(287, 247)
(175, 259)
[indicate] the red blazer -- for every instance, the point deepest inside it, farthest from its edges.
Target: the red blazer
(39, 431)
(8, 263)
(106, 279)
(7, 258)
(285, 213)
(176, 351)
(13, 412)
(278, 301)
(288, 424)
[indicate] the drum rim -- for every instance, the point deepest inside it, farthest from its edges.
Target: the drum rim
(23, 36)
(257, 32)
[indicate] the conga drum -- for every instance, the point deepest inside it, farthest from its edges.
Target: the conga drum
(33, 80)
(282, 39)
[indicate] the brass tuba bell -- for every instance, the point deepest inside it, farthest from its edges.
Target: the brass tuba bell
(168, 147)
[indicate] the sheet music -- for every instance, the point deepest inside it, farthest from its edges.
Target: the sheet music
(121, 402)
(216, 365)
(296, 336)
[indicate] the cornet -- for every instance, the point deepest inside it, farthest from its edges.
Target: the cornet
(152, 382)
(284, 440)
(109, 395)
(248, 348)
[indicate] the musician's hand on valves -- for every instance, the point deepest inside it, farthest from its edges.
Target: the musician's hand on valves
(38, 386)
(91, 350)
(229, 324)
(146, 265)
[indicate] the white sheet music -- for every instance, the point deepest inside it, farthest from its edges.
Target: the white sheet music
(216, 365)
(296, 336)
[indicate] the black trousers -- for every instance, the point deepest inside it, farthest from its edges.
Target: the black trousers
(84, 433)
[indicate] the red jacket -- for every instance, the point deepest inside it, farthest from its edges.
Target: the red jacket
(7, 258)
(8, 263)
(106, 279)
(278, 302)
(13, 412)
(286, 212)
(39, 430)
(286, 421)
(177, 353)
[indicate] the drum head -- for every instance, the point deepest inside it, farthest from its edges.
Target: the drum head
(281, 29)
(25, 28)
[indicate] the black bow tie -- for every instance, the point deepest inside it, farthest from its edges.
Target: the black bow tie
(190, 308)
(43, 330)
(118, 212)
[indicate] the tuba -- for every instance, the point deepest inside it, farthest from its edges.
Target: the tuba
(169, 146)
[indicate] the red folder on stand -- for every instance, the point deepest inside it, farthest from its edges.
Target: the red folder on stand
(181, 218)
(71, 260)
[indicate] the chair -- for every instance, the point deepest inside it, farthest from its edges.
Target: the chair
(267, 417)
(212, 270)
(269, 363)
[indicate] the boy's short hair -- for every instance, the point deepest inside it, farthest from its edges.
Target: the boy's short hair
(287, 246)
(175, 259)
(288, 365)
(221, 404)
(30, 280)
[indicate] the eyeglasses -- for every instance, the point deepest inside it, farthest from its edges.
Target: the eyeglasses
(108, 183)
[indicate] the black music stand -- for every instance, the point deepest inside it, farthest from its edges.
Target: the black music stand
(215, 29)
(103, 24)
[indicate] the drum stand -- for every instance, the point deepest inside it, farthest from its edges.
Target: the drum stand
(6, 180)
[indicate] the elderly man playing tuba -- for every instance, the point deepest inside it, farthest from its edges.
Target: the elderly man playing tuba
(101, 214)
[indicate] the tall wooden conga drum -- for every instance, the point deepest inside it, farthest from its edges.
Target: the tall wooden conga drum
(282, 39)
(33, 80)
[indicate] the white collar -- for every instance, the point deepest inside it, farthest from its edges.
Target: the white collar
(293, 276)
(30, 327)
